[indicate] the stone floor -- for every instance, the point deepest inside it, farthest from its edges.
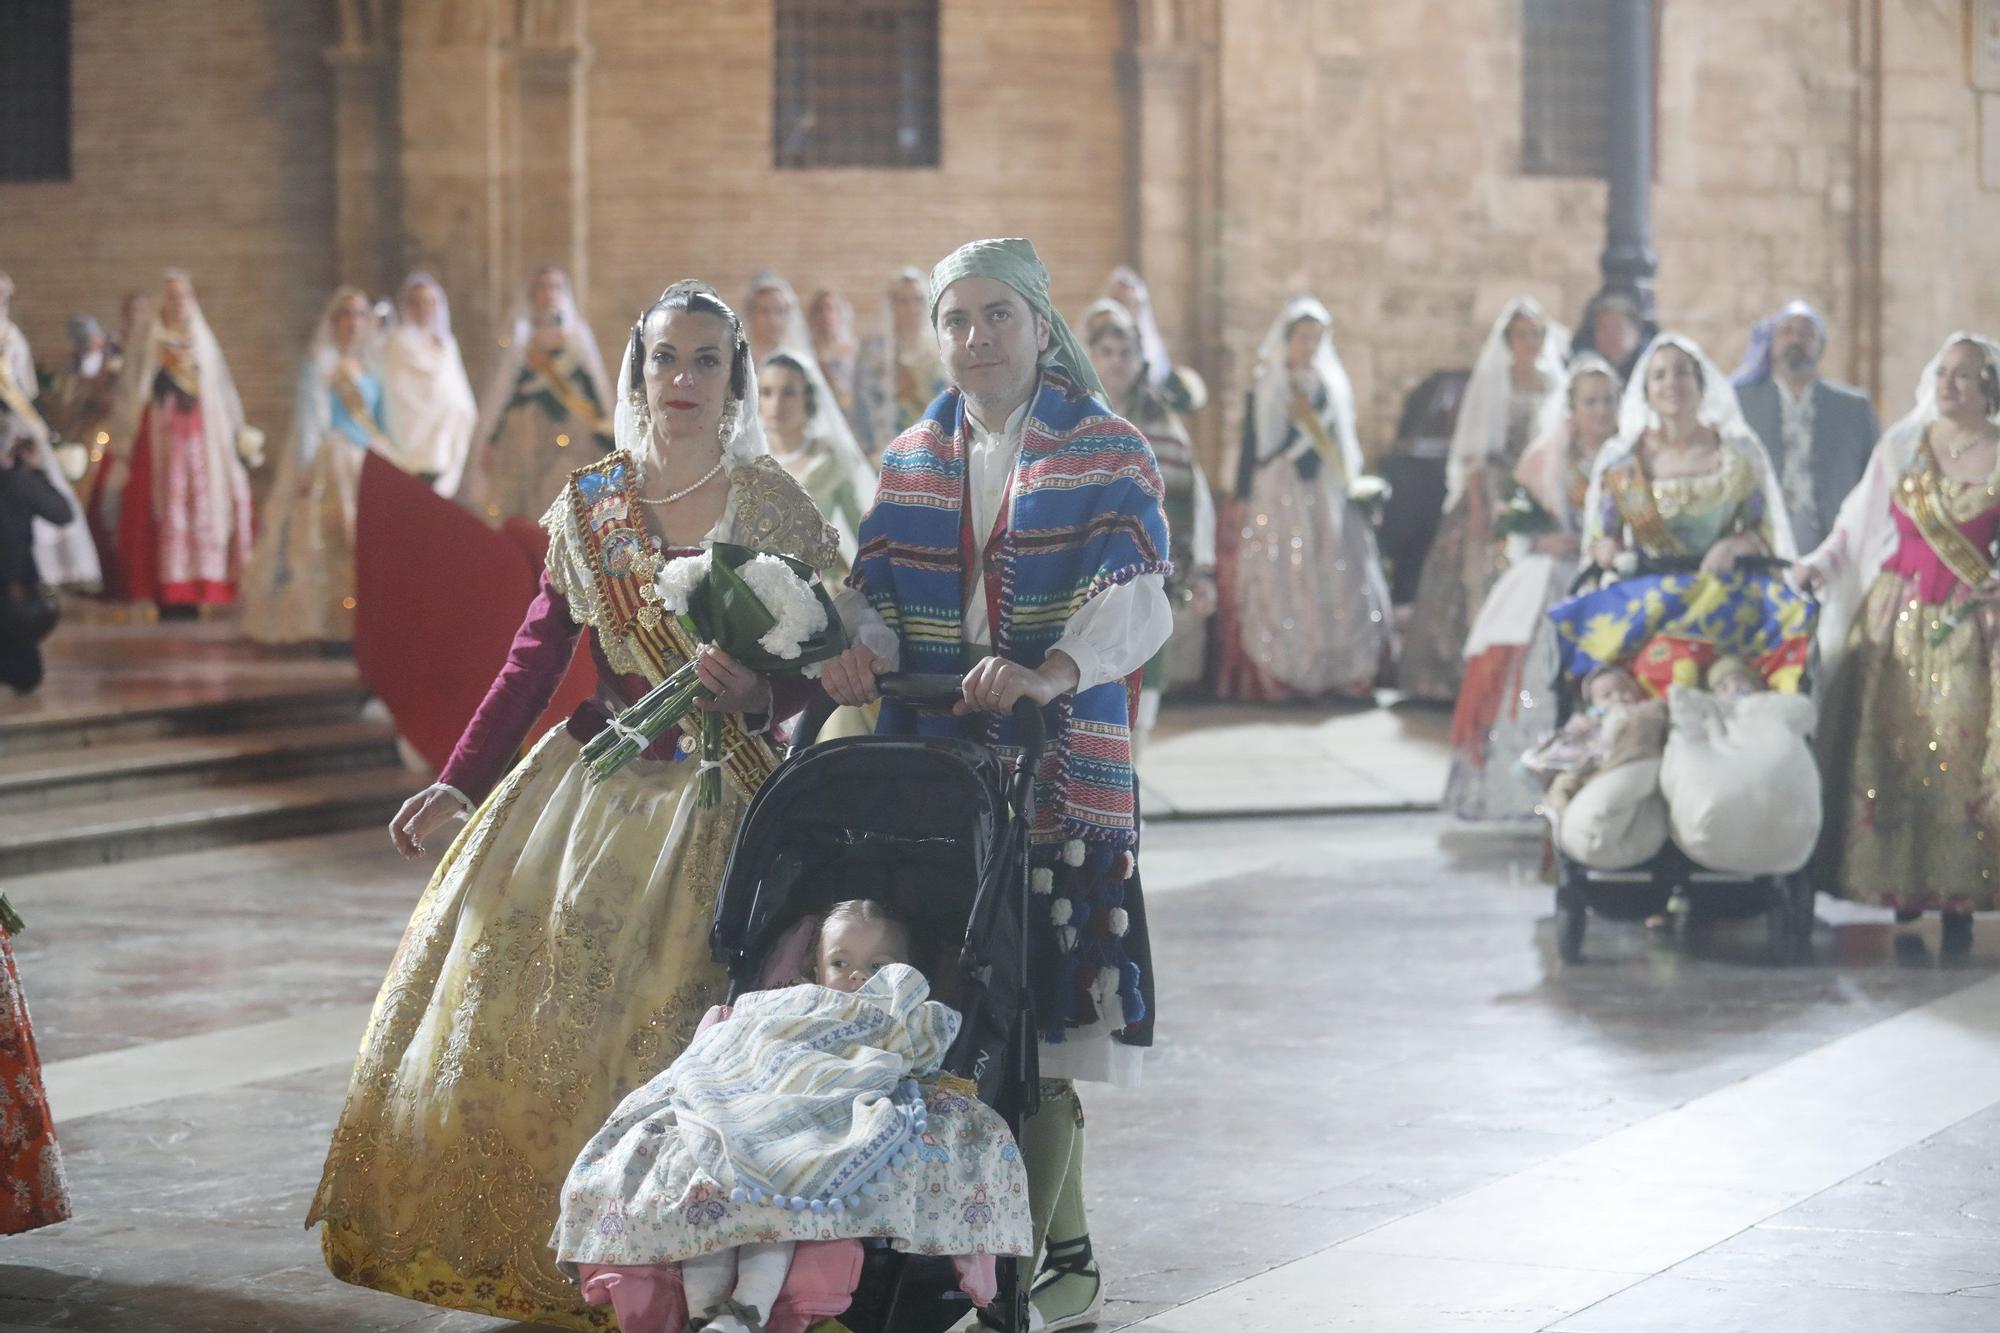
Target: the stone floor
(1380, 1103)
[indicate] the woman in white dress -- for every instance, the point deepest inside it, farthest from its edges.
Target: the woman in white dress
(1518, 368)
(65, 555)
(1505, 707)
(427, 399)
(1305, 609)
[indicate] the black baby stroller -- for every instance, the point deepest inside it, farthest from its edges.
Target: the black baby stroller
(937, 828)
(1646, 890)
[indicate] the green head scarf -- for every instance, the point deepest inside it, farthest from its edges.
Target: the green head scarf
(1014, 262)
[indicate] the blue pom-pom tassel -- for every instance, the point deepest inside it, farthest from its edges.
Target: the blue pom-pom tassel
(819, 1207)
(836, 1205)
(738, 1195)
(854, 1201)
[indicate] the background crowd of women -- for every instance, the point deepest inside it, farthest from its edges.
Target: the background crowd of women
(1278, 588)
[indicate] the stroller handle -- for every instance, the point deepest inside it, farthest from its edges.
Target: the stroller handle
(936, 692)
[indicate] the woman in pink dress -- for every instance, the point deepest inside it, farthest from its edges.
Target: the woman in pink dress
(1910, 740)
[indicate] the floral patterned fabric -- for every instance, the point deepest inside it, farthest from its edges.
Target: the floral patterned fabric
(33, 1190)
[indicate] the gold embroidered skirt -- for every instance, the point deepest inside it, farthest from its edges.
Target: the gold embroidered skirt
(558, 960)
(1910, 758)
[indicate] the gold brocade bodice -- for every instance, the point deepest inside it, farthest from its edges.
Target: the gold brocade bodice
(1721, 490)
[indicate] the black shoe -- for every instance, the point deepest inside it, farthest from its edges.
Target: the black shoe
(1905, 915)
(1957, 933)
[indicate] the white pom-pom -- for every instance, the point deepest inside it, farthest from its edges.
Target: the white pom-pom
(1042, 880)
(1059, 911)
(1120, 922)
(1073, 852)
(1107, 982)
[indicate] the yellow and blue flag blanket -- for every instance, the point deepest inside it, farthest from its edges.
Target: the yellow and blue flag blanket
(1666, 628)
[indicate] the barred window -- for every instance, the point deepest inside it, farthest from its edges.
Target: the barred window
(1565, 80)
(855, 83)
(34, 90)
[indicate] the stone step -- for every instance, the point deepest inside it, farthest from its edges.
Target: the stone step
(121, 770)
(164, 713)
(209, 816)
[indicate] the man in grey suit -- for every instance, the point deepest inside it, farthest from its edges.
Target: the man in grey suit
(1819, 434)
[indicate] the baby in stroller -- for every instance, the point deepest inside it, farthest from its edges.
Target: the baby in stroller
(806, 1118)
(1603, 769)
(1724, 769)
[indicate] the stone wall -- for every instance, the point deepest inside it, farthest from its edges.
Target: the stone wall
(201, 140)
(1371, 154)
(681, 181)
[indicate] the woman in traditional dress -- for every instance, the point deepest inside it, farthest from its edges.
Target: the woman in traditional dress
(81, 398)
(1686, 477)
(1305, 610)
(547, 410)
(808, 435)
(1504, 708)
(1115, 341)
(901, 373)
(173, 508)
(65, 554)
(1910, 650)
(559, 958)
(1518, 368)
(33, 1190)
(838, 351)
(299, 587)
(427, 403)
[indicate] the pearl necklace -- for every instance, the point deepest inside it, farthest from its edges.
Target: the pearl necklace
(684, 493)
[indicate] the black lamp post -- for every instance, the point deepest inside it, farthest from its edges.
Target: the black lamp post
(1628, 262)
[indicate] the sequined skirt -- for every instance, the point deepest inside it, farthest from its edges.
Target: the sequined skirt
(1910, 758)
(557, 961)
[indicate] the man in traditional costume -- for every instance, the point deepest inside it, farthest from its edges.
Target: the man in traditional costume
(1819, 434)
(1018, 541)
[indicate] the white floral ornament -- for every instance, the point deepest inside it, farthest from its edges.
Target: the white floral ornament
(790, 601)
(677, 580)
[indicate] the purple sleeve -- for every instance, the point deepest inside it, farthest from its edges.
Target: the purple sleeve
(536, 665)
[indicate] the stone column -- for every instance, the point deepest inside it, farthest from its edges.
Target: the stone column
(454, 169)
(1173, 189)
(553, 221)
(1629, 261)
(365, 168)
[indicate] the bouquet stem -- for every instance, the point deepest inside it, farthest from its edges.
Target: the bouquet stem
(644, 722)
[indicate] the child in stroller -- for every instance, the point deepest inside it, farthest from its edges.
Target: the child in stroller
(802, 1115)
(1719, 794)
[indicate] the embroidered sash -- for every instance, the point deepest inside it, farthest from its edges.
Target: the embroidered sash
(1633, 494)
(357, 407)
(622, 560)
(552, 370)
(1316, 434)
(1924, 501)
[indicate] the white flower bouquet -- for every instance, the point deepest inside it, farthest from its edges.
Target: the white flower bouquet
(770, 612)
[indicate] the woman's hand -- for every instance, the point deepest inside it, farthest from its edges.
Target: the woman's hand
(1604, 552)
(1201, 597)
(849, 679)
(1722, 557)
(737, 689)
(1561, 545)
(1806, 578)
(995, 685)
(421, 816)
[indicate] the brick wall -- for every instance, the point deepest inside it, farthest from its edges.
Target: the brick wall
(681, 182)
(202, 140)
